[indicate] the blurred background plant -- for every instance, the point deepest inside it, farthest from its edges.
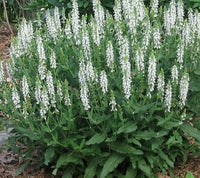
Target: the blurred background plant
(18, 9)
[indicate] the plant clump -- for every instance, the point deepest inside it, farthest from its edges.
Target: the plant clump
(105, 95)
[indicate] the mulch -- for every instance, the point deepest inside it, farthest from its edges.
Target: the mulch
(10, 162)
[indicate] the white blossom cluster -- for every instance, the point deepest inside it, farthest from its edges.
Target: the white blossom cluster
(174, 74)
(151, 73)
(25, 36)
(110, 56)
(168, 96)
(84, 91)
(104, 82)
(50, 88)
(161, 83)
(96, 50)
(126, 68)
(139, 59)
(99, 16)
(184, 86)
(25, 88)
(42, 58)
(75, 22)
(15, 97)
(53, 23)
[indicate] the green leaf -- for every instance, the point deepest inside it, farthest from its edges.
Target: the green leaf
(48, 155)
(146, 135)
(65, 159)
(112, 162)
(187, 128)
(91, 169)
(68, 173)
(28, 133)
(21, 168)
(189, 175)
(127, 128)
(97, 138)
(166, 158)
(124, 148)
(130, 172)
(135, 141)
(144, 167)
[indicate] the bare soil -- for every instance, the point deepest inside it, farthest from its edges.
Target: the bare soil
(10, 162)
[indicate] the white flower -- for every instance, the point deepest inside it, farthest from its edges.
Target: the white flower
(103, 82)
(151, 72)
(25, 88)
(84, 94)
(126, 68)
(84, 91)
(118, 10)
(99, 16)
(139, 60)
(51, 25)
(184, 86)
(174, 74)
(59, 90)
(15, 97)
(1, 72)
(25, 36)
(68, 31)
(186, 34)
(40, 49)
(110, 56)
(44, 103)
(67, 99)
(85, 40)
(42, 58)
(113, 103)
(154, 7)
(89, 71)
(180, 53)
(9, 70)
(180, 12)
(25, 112)
(57, 18)
(95, 32)
(75, 22)
(38, 88)
(50, 88)
(161, 83)
(53, 60)
(168, 96)
(156, 37)
(146, 39)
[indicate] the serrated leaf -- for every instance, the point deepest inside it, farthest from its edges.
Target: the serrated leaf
(112, 162)
(126, 149)
(48, 155)
(166, 158)
(146, 135)
(97, 138)
(144, 167)
(135, 141)
(91, 169)
(187, 128)
(127, 128)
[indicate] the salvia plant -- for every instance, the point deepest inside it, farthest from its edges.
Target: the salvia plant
(106, 95)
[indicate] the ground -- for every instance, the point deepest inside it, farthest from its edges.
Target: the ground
(10, 162)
